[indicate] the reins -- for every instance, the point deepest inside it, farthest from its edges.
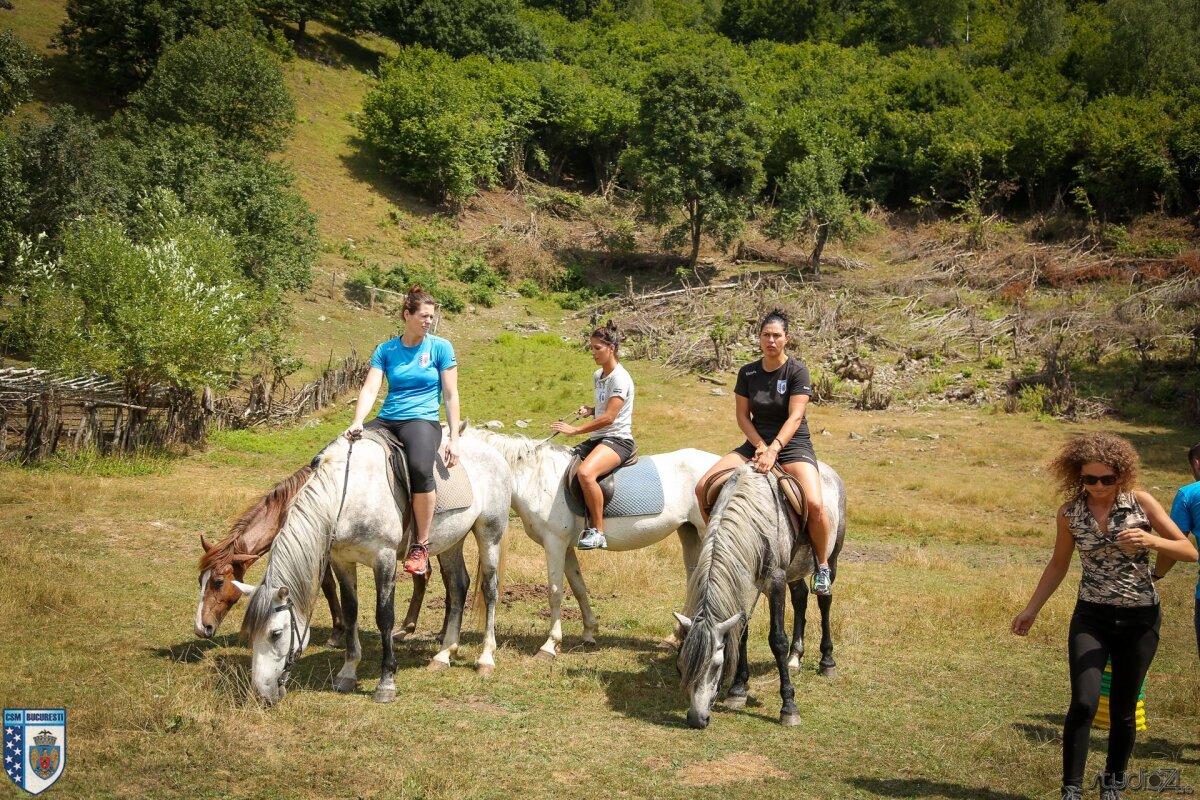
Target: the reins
(295, 640)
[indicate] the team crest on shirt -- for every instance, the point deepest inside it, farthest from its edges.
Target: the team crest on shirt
(35, 746)
(423, 360)
(781, 387)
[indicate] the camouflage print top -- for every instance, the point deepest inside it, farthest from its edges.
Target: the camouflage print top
(1110, 575)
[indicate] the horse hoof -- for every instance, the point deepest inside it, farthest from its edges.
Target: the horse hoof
(437, 666)
(794, 664)
(544, 656)
(399, 636)
(485, 670)
(827, 672)
(589, 645)
(736, 701)
(789, 720)
(385, 694)
(344, 685)
(336, 643)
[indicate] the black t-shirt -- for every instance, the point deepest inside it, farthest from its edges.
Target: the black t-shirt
(770, 395)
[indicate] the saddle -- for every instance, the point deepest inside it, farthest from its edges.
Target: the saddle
(797, 503)
(607, 482)
(453, 485)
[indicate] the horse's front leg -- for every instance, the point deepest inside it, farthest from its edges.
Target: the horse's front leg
(347, 577)
(827, 666)
(457, 581)
(385, 618)
(689, 538)
(409, 626)
(556, 555)
(799, 591)
(579, 588)
(489, 559)
(789, 714)
(739, 691)
(337, 634)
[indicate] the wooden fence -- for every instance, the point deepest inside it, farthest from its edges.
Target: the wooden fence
(42, 414)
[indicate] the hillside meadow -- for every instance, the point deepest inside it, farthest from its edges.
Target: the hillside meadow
(949, 525)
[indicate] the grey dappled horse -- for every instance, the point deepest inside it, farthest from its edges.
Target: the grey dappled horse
(749, 550)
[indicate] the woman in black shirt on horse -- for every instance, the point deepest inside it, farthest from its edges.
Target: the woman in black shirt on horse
(771, 397)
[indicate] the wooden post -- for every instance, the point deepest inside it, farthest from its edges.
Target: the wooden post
(371, 304)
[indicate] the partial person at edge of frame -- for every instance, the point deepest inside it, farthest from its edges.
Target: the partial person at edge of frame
(1185, 512)
(610, 441)
(421, 370)
(770, 403)
(1117, 612)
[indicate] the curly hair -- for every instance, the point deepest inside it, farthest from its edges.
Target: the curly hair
(1104, 448)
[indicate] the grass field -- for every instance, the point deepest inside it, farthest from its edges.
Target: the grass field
(949, 527)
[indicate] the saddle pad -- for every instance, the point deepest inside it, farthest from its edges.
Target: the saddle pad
(453, 486)
(637, 492)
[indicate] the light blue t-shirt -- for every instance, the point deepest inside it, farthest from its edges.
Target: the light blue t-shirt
(1185, 512)
(414, 376)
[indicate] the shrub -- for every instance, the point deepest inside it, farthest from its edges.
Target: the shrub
(18, 67)
(481, 295)
(994, 362)
(529, 288)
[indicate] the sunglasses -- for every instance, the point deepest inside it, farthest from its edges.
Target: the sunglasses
(1092, 480)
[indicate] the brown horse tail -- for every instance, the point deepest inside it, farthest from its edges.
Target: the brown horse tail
(273, 506)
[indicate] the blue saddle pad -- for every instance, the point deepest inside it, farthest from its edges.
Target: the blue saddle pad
(637, 492)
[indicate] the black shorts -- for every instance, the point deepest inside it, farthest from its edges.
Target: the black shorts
(421, 438)
(793, 451)
(623, 447)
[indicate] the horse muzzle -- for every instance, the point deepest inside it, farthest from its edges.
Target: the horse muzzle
(697, 720)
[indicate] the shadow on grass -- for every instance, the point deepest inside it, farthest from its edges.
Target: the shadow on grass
(1146, 746)
(365, 164)
(923, 787)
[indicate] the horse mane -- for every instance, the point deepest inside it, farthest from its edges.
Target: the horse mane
(300, 549)
(273, 504)
(518, 447)
(733, 559)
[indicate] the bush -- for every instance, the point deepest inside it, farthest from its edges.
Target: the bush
(460, 27)
(222, 80)
(994, 362)
(481, 295)
(18, 67)
(529, 288)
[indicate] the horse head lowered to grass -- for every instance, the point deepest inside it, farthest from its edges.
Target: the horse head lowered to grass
(751, 548)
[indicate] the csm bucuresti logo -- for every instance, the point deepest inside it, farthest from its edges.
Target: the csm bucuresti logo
(35, 746)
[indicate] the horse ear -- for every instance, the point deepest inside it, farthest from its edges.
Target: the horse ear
(245, 588)
(281, 594)
(462, 426)
(724, 627)
(204, 543)
(243, 558)
(682, 620)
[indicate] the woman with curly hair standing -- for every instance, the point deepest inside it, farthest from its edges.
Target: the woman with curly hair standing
(1117, 613)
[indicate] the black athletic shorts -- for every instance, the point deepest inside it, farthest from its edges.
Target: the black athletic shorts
(793, 451)
(421, 439)
(622, 447)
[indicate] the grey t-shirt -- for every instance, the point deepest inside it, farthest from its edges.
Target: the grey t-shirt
(618, 383)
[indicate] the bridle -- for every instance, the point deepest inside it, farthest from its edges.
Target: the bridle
(296, 641)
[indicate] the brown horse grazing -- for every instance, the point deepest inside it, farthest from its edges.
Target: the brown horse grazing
(223, 565)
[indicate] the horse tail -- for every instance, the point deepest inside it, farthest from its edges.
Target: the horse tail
(477, 602)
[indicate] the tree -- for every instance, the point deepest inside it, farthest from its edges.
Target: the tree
(778, 20)
(461, 27)
(18, 67)
(157, 302)
(697, 148)
(221, 79)
(811, 201)
(116, 43)
(14, 204)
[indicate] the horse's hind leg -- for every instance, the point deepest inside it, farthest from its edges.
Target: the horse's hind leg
(827, 666)
(799, 591)
(337, 634)
(579, 588)
(489, 579)
(457, 581)
(385, 618)
(347, 577)
(788, 714)
(739, 691)
(409, 626)
(689, 538)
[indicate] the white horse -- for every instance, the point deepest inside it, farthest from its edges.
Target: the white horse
(539, 498)
(750, 550)
(346, 513)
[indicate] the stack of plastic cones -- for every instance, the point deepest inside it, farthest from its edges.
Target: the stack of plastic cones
(1102, 719)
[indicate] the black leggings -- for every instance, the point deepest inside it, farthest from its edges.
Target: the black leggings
(421, 438)
(1130, 637)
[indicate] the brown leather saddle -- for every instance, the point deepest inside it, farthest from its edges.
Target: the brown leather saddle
(797, 505)
(607, 482)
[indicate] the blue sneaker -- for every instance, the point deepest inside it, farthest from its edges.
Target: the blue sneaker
(822, 581)
(591, 539)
